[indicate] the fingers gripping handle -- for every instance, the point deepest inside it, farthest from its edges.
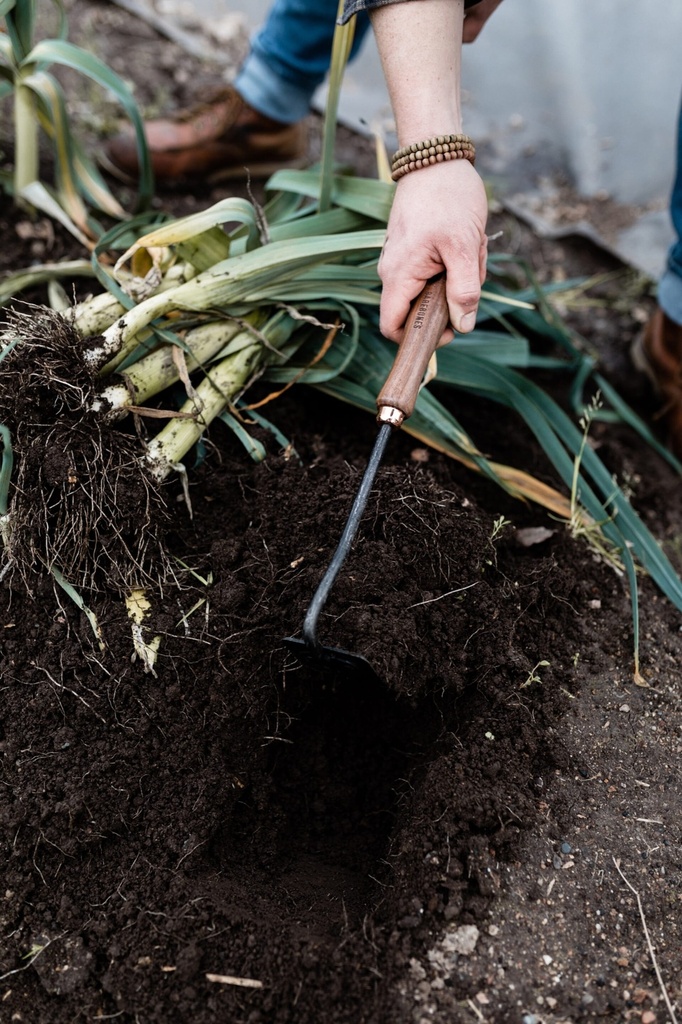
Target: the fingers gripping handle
(426, 321)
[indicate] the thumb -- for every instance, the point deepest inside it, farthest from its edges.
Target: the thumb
(463, 294)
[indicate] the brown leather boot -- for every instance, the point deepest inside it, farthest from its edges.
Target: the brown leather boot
(658, 352)
(215, 140)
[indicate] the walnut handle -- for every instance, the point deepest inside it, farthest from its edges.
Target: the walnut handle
(426, 321)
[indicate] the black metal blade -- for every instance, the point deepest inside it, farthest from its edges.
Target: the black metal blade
(347, 537)
(331, 658)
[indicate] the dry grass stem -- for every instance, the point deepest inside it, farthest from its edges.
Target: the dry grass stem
(650, 946)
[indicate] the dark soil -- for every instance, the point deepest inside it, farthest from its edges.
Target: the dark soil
(238, 839)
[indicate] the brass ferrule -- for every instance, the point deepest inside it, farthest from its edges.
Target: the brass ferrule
(389, 414)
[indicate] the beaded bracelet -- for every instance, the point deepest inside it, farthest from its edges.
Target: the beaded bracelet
(432, 151)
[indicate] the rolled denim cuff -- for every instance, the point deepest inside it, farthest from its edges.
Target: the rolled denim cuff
(352, 7)
(670, 295)
(270, 93)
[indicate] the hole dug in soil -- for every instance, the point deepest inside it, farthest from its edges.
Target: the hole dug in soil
(319, 819)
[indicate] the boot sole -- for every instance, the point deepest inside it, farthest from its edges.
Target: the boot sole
(255, 170)
(262, 170)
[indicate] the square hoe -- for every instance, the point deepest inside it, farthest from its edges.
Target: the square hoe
(427, 319)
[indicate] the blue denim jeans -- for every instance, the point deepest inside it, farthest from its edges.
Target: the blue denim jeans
(290, 57)
(670, 286)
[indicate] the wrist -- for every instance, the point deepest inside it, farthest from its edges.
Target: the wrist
(416, 127)
(437, 149)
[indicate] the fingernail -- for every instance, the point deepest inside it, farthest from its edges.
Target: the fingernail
(467, 323)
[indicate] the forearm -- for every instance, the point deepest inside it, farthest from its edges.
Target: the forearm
(420, 43)
(439, 211)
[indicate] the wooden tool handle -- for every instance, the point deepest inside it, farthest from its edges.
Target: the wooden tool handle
(426, 321)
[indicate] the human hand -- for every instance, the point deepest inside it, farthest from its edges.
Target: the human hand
(437, 222)
(475, 19)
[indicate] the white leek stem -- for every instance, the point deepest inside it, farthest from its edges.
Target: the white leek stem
(94, 315)
(222, 384)
(25, 137)
(155, 372)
